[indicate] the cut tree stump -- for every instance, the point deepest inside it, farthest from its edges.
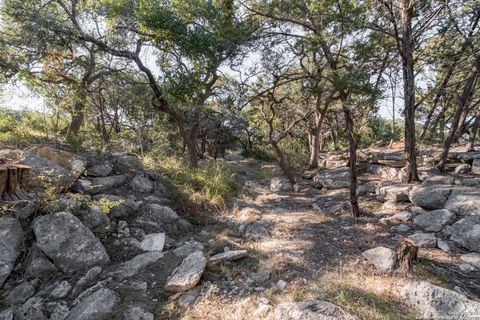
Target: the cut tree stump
(13, 179)
(406, 252)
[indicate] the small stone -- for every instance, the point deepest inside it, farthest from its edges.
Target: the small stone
(424, 240)
(443, 245)
(20, 294)
(397, 218)
(141, 184)
(260, 277)
(99, 305)
(311, 310)
(228, 256)
(401, 228)
(384, 259)
(138, 313)
(281, 284)
(153, 242)
(256, 231)
(472, 259)
(462, 169)
(187, 275)
(465, 267)
(61, 291)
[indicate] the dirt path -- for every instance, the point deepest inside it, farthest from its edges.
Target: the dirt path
(312, 251)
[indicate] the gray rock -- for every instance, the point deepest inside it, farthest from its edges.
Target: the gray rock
(60, 312)
(61, 290)
(102, 184)
(98, 306)
(430, 197)
(188, 248)
(96, 220)
(260, 277)
(156, 215)
(476, 166)
(6, 314)
(397, 218)
(100, 169)
(153, 242)
(37, 264)
(424, 240)
(443, 245)
(445, 180)
(462, 169)
(71, 245)
(396, 192)
(470, 182)
(280, 185)
(311, 310)
(256, 231)
(132, 267)
(137, 313)
(33, 308)
(86, 280)
(52, 173)
(434, 220)
(11, 238)
(334, 179)
(433, 302)
(141, 184)
(20, 294)
(464, 202)
(467, 268)
(471, 258)
(466, 232)
(187, 275)
(24, 209)
(384, 259)
(228, 256)
(127, 164)
(401, 228)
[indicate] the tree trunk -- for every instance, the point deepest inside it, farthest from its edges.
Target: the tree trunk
(462, 108)
(407, 44)
(314, 141)
(352, 144)
(282, 162)
(473, 137)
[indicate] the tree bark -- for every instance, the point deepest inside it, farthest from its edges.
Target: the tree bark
(407, 46)
(352, 147)
(314, 140)
(463, 104)
(282, 162)
(473, 137)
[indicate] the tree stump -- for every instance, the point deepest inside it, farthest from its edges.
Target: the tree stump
(406, 252)
(13, 179)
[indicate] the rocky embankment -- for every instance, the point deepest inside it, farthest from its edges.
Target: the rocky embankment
(95, 238)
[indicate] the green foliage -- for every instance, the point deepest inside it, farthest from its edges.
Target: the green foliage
(379, 131)
(106, 205)
(212, 183)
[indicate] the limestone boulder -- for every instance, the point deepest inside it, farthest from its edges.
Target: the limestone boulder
(11, 238)
(68, 242)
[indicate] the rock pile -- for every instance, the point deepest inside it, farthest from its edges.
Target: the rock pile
(112, 248)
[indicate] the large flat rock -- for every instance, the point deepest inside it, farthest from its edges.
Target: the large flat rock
(466, 232)
(430, 197)
(11, 238)
(68, 242)
(187, 275)
(464, 202)
(433, 302)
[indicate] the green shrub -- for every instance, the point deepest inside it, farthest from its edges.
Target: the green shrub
(211, 183)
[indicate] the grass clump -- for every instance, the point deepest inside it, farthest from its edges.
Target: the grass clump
(209, 185)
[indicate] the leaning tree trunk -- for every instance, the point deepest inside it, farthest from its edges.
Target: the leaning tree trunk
(282, 162)
(473, 137)
(352, 144)
(409, 90)
(463, 104)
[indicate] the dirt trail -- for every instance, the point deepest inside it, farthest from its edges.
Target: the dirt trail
(309, 253)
